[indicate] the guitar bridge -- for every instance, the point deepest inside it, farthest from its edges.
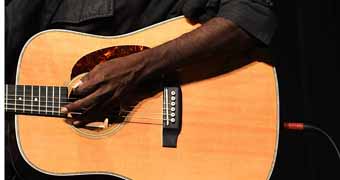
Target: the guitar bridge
(172, 115)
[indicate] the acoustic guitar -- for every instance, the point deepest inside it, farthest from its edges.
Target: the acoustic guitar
(213, 120)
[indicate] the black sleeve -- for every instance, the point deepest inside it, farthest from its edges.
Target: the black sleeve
(254, 16)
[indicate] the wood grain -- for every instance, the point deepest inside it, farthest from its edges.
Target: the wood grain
(229, 121)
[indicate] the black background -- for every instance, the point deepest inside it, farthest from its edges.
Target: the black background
(307, 62)
(306, 59)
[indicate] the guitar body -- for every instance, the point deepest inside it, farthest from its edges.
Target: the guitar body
(229, 120)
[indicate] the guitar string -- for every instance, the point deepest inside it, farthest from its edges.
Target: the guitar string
(57, 107)
(79, 113)
(42, 107)
(52, 107)
(47, 106)
(151, 123)
(48, 100)
(34, 110)
(127, 120)
(53, 110)
(135, 117)
(48, 96)
(58, 112)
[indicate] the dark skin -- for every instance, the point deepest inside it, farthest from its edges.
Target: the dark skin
(107, 82)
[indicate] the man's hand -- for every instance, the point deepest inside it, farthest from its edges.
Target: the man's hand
(108, 82)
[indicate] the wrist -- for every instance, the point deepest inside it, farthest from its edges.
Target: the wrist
(156, 60)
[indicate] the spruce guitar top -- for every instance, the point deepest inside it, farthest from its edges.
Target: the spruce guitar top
(213, 120)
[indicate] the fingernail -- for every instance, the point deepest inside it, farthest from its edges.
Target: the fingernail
(75, 123)
(77, 84)
(63, 110)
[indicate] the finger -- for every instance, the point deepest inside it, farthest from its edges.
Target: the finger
(77, 122)
(80, 104)
(80, 123)
(86, 86)
(77, 84)
(81, 81)
(103, 110)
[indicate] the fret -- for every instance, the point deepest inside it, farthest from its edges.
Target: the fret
(27, 99)
(59, 99)
(10, 100)
(33, 113)
(24, 100)
(31, 99)
(36, 98)
(64, 96)
(6, 97)
(52, 100)
(46, 99)
(43, 100)
(56, 104)
(39, 99)
(49, 99)
(15, 98)
(19, 93)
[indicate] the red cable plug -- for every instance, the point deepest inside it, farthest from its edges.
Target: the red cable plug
(294, 126)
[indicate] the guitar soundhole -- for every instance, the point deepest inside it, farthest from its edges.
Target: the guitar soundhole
(89, 61)
(112, 124)
(94, 124)
(95, 128)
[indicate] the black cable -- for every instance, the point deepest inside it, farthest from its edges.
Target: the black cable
(302, 127)
(311, 127)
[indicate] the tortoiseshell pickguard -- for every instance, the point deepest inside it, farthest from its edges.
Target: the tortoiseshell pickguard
(89, 61)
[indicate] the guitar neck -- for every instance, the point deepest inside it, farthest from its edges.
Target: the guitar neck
(36, 100)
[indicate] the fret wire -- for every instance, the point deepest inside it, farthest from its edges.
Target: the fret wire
(59, 98)
(53, 98)
(46, 97)
(24, 94)
(20, 90)
(41, 102)
(27, 101)
(15, 98)
(31, 98)
(39, 99)
(50, 101)
(6, 95)
(35, 99)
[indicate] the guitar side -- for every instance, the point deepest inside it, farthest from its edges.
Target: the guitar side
(229, 130)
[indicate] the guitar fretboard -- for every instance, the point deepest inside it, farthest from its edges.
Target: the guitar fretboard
(35, 100)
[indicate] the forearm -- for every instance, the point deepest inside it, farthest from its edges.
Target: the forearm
(112, 79)
(215, 37)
